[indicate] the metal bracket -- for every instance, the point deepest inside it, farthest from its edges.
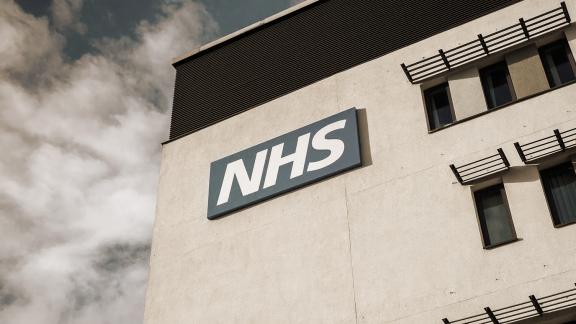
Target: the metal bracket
(407, 73)
(524, 28)
(483, 43)
(491, 315)
(444, 58)
(504, 158)
(520, 152)
(560, 140)
(565, 10)
(536, 305)
(458, 177)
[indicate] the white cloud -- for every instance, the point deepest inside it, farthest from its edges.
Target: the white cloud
(26, 43)
(80, 146)
(66, 15)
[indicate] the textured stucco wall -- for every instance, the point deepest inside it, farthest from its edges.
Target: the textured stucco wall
(396, 241)
(526, 71)
(466, 93)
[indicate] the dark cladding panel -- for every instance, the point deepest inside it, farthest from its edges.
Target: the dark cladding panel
(304, 47)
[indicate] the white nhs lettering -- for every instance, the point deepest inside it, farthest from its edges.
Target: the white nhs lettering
(251, 184)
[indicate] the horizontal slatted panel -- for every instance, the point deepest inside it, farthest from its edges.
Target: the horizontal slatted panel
(299, 49)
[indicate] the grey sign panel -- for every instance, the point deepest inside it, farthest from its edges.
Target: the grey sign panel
(282, 164)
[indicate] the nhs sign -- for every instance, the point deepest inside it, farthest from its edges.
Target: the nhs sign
(285, 163)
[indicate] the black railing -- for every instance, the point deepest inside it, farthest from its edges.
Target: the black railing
(557, 143)
(534, 307)
(477, 170)
(485, 45)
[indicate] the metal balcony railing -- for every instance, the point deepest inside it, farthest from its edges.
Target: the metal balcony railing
(485, 45)
(477, 170)
(534, 307)
(557, 143)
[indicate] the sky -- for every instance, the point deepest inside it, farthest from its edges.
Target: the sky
(85, 96)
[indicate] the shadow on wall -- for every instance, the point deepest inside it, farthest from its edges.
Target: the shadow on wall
(364, 135)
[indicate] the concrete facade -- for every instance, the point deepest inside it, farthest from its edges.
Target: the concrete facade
(526, 71)
(395, 241)
(466, 92)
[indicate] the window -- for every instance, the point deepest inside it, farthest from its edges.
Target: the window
(558, 63)
(438, 106)
(560, 188)
(496, 84)
(494, 216)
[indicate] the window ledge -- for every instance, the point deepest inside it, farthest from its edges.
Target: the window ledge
(490, 247)
(501, 107)
(565, 224)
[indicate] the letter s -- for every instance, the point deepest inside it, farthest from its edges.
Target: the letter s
(335, 146)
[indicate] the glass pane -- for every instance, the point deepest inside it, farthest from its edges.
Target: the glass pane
(495, 219)
(495, 84)
(560, 186)
(557, 64)
(438, 106)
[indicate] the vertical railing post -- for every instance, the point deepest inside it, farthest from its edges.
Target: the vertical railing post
(444, 58)
(520, 152)
(536, 305)
(491, 315)
(504, 158)
(565, 10)
(560, 140)
(483, 43)
(524, 28)
(455, 171)
(407, 72)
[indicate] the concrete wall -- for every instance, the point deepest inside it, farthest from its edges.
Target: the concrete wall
(466, 93)
(526, 71)
(396, 241)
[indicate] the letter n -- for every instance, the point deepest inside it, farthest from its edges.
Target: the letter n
(237, 169)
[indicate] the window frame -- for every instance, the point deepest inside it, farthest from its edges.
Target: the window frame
(485, 86)
(569, 54)
(553, 216)
(482, 219)
(427, 110)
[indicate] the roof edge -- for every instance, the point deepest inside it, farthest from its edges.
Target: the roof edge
(237, 34)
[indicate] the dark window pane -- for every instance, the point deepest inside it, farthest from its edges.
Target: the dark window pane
(556, 61)
(494, 215)
(497, 89)
(560, 187)
(438, 106)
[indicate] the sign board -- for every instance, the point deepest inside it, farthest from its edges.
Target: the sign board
(285, 163)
